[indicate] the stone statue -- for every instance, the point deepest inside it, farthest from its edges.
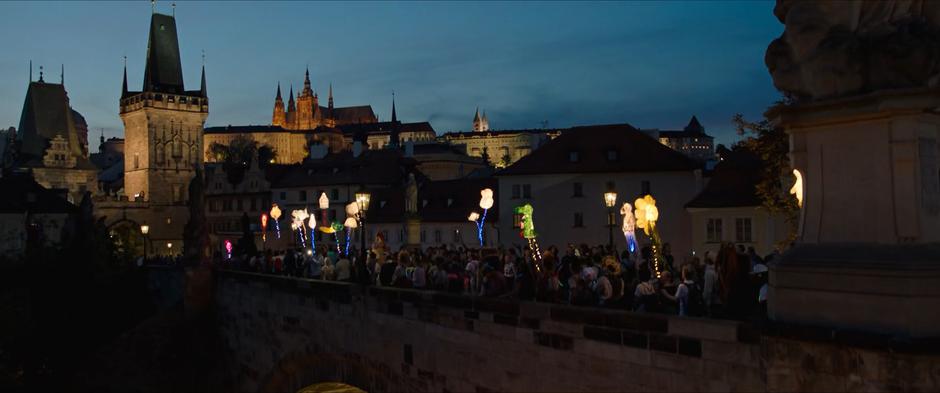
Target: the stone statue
(196, 230)
(411, 195)
(833, 49)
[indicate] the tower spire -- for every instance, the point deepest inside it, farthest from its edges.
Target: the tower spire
(278, 97)
(394, 116)
(202, 89)
(124, 87)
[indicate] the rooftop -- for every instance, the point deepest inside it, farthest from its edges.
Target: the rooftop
(600, 149)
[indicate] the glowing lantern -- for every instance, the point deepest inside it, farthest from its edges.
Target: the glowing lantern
(228, 248)
(352, 209)
(276, 214)
(486, 198)
(646, 213)
(324, 201)
(629, 226)
(797, 189)
(350, 223)
(474, 216)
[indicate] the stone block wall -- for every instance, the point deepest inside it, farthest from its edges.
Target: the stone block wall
(289, 333)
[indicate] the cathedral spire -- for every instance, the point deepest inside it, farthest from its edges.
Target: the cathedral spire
(395, 138)
(278, 97)
(290, 101)
(330, 99)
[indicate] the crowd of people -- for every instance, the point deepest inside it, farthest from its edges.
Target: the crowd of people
(729, 284)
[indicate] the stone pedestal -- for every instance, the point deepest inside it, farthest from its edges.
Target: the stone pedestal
(413, 231)
(868, 249)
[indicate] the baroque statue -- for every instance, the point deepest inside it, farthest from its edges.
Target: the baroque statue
(834, 49)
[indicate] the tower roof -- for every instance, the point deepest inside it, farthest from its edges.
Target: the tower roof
(694, 126)
(476, 116)
(163, 72)
(278, 97)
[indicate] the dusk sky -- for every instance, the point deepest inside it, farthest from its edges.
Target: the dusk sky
(651, 64)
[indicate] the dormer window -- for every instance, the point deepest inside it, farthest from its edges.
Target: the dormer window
(611, 155)
(450, 201)
(573, 156)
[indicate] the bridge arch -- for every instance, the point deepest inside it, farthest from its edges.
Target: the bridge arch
(301, 369)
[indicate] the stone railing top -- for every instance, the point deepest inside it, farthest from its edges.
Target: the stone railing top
(520, 313)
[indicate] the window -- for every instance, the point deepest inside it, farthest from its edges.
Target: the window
(302, 195)
(578, 190)
(424, 236)
(178, 192)
(227, 205)
(742, 230)
(645, 187)
(334, 194)
(611, 155)
(527, 191)
(457, 237)
(136, 160)
(515, 191)
(713, 230)
(578, 220)
(240, 206)
(401, 235)
(573, 156)
(283, 195)
(254, 204)
(437, 235)
(385, 235)
(517, 221)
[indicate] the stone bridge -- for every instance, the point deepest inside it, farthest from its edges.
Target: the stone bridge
(287, 333)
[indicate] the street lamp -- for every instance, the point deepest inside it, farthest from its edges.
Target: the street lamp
(169, 248)
(145, 229)
(610, 199)
(362, 200)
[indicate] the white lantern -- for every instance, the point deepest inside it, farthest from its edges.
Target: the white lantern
(324, 201)
(486, 198)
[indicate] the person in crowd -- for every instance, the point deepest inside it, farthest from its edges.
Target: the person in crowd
(343, 269)
(710, 286)
(645, 296)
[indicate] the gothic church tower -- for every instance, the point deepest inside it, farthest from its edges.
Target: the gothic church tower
(163, 123)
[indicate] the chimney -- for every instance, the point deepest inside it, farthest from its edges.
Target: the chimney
(409, 149)
(357, 148)
(318, 151)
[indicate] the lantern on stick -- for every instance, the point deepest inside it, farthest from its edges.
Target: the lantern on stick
(646, 215)
(629, 226)
(264, 227)
(276, 214)
(349, 224)
(528, 231)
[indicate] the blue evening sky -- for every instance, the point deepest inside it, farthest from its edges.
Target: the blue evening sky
(652, 64)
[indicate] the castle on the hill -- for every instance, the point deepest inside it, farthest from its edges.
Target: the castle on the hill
(307, 114)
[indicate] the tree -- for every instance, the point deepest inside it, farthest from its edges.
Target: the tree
(237, 155)
(772, 145)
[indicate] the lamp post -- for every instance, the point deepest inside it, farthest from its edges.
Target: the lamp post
(610, 199)
(145, 229)
(362, 200)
